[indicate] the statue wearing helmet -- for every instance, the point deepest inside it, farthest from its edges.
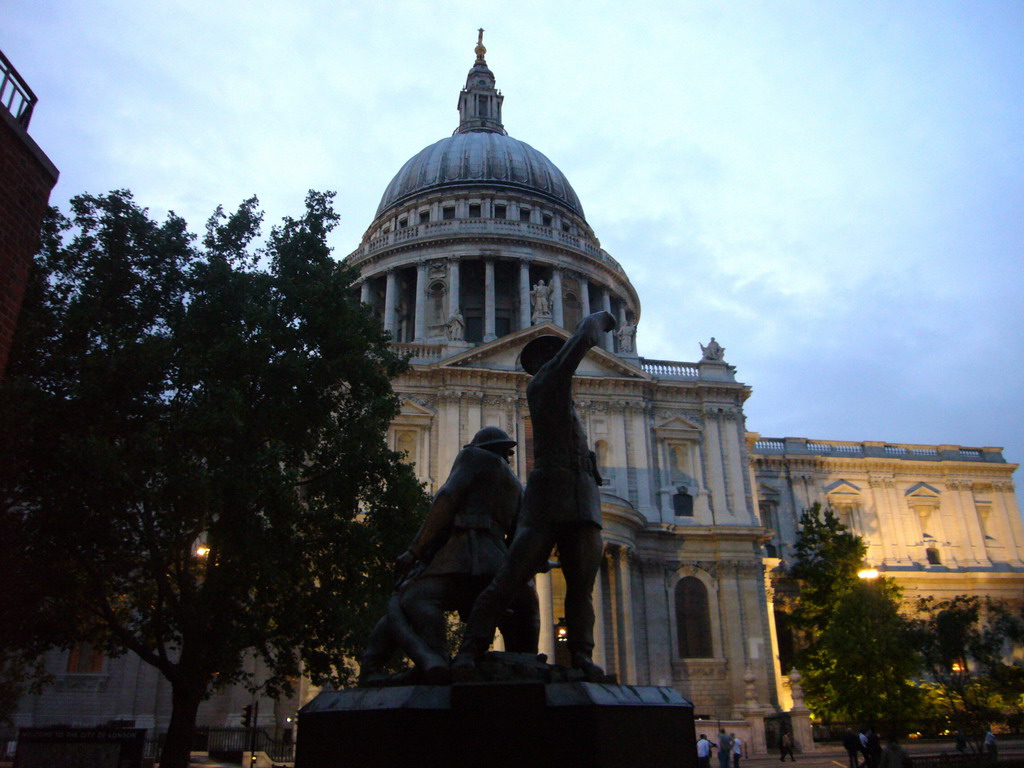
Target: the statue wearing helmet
(458, 549)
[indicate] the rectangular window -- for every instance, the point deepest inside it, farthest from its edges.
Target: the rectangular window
(500, 211)
(482, 105)
(565, 226)
(524, 214)
(85, 660)
(424, 217)
(403, 223)
(547, 220)
(448, 212)
(474, 210)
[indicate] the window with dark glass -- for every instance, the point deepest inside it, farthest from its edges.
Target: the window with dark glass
(448, 212)
(693, 619)
(403, 223)
(474, 210)
(424, 217)
(682, 504)
(565, 226)
(547, 220)
(524, 214)
(933, 556)
(500, 211)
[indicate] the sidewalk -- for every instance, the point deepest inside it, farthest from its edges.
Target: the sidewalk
(834, 756)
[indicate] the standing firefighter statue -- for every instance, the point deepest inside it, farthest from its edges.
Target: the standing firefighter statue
(561, 505)
(459, 548)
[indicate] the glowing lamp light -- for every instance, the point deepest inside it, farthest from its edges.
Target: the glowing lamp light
(202, 551)
(868, 573)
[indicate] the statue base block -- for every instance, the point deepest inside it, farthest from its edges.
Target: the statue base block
(521, 724)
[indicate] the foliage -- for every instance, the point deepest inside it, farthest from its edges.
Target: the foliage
(165, 397)
(859, 666)
(963, 642)
(857, 655)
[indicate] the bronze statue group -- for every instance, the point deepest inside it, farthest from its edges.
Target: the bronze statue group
(485, 538)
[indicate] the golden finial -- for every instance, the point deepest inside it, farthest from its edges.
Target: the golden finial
(480, 50)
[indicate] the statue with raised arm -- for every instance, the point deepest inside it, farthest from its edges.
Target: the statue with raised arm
(561, 505)
(458, 549)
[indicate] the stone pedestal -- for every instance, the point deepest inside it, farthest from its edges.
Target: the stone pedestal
(497, 724)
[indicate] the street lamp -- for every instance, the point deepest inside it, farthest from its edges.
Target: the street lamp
(868, 573)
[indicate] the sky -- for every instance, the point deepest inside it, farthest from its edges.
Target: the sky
(833, 190)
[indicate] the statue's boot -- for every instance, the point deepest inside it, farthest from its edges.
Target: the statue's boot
(591, 671)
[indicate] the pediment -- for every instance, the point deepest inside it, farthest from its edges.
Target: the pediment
(922, 491)
(767, 492)
(842, 488)
(503, 355)
(413, 413)
(677, 426)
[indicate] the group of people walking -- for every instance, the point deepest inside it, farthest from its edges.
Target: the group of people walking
(729, 746)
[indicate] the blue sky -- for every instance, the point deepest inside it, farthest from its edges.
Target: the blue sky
(834, 190)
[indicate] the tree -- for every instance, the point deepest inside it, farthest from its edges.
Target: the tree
(192, 459)
(858, 656)
(963, 641)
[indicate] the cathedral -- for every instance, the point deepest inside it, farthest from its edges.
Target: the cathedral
(479, 245)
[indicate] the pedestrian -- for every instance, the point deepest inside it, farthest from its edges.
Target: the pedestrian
(852, 746)
(874, 748)
(786, 747)
(703, 752)
(724, 748)
(894, 756)
(737, 750)
(961, 741)
(990, 743)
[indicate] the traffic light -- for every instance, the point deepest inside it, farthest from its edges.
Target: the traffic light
(247, 716)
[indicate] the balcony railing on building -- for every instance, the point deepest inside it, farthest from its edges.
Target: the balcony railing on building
(16, 96)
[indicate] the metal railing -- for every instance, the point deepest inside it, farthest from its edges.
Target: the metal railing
(16, 96)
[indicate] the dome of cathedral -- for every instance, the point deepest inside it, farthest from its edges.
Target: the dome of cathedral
(480, 157)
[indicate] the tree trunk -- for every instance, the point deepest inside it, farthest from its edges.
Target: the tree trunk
(185, 699)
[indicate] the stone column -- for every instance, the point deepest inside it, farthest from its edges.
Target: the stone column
(1005, 506)
(966, 511)
(599, 655)
(489, 334)
(390, 297)
(546, 644)
(625, 589)
(420, 316)
(364, 291)
(524, 294)
(606, 305)
(585, 295)
(453, 287)
(556, 296)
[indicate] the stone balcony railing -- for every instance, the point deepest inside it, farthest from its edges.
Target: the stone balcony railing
(670, 369)
(798, 446)
(15, 95)
(480, 227)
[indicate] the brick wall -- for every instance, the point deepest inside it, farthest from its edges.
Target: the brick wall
(26, 178)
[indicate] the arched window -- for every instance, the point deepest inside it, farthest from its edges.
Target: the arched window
(693, 619)
(572, 310)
